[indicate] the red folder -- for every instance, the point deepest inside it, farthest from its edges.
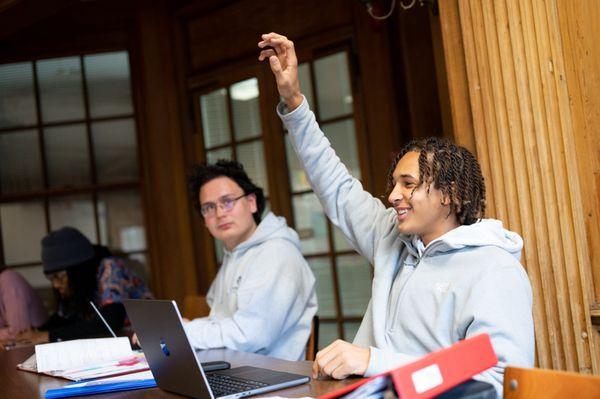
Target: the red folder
(436, 372)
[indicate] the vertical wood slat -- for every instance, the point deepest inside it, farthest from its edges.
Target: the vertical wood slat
(522, 123)
(578, 21)
(476, 102)
(523, 129)
(551, 254)
(455, 76)
(576, 252)
(489, 110)
(511, 84)
(565, 266)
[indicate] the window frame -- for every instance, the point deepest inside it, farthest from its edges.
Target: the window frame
(93, 189)
(273, 136)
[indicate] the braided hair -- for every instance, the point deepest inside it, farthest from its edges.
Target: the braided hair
(453, 170)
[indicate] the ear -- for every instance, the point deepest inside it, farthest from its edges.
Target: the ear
(446, 198)
(252, 201)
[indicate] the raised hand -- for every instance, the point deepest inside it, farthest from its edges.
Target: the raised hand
(279, 50)
(341, 359)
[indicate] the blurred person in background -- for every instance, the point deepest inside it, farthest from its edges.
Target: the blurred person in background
(81, 272)
(20, 308)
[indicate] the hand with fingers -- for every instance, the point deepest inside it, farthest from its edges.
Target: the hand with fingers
(279, 50)
(340, 360)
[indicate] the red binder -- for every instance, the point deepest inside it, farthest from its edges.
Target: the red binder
(436, 372)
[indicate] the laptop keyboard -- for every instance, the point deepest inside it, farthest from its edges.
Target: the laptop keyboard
(223, 385)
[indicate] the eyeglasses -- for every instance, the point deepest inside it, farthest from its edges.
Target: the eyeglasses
(226, 204)
(57, 276)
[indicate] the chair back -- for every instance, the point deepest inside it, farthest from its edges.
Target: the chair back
(312, 346)
(520, 383)
(195, 306)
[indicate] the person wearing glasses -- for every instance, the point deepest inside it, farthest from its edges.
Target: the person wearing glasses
(81, 272)
(263, 298)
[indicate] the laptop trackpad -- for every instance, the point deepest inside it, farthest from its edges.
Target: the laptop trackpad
(261, 375)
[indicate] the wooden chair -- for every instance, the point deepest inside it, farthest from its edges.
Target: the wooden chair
(312, 346)
(195, 306)
(522, 383)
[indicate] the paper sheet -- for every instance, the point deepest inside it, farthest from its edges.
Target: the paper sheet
(70, 354)
(144, 375)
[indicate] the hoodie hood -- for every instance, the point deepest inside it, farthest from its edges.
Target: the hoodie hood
(487, 232)
(270, 227)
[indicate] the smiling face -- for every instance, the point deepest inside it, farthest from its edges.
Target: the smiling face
(231, 227)
(423, 213)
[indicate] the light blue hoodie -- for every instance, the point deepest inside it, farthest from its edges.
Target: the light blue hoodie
(466, 282)
(263, 298)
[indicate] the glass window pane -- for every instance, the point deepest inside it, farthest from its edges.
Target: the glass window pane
(34, 274)
(251, 155)
(121, 220)
(332, 80)
(215, 155)
(17, 98)
(61, 93)
(215, 118)
(343, 140)
(246, 109)
(305, 83)
(328, 332)
(108, 86)
(23, 227)
(298, 180)
(350, 330)
(67, 156)
(20, 164)
(310, 223)
(321, 268)
(75, 211)
(115, 151)
(354, 277)
(339, 241)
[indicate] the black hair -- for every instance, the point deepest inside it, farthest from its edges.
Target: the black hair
(201, 174)
(83, 286)
(453, 170)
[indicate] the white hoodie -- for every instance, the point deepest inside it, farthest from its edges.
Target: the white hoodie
(466, 282)
(263, 298)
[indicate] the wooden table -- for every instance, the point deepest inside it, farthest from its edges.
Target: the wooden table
(17, 384)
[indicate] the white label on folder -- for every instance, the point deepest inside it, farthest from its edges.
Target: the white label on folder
(427, 378)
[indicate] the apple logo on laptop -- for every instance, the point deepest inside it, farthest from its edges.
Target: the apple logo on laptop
(163, 346)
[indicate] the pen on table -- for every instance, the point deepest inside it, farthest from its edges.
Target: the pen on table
(103, 320)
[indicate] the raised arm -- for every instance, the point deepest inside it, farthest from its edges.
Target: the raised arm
(362, 218)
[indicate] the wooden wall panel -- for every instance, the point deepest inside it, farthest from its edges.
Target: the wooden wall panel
(580, 30)
(524, 122)
(222, 35)
(169, 223)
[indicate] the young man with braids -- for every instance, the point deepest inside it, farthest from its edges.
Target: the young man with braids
(442, 272)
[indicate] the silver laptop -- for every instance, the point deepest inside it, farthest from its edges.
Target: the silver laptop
(176, 368)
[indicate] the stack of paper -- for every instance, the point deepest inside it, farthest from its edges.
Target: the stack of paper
(85, 359)
(89, 362)
(112, 384)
